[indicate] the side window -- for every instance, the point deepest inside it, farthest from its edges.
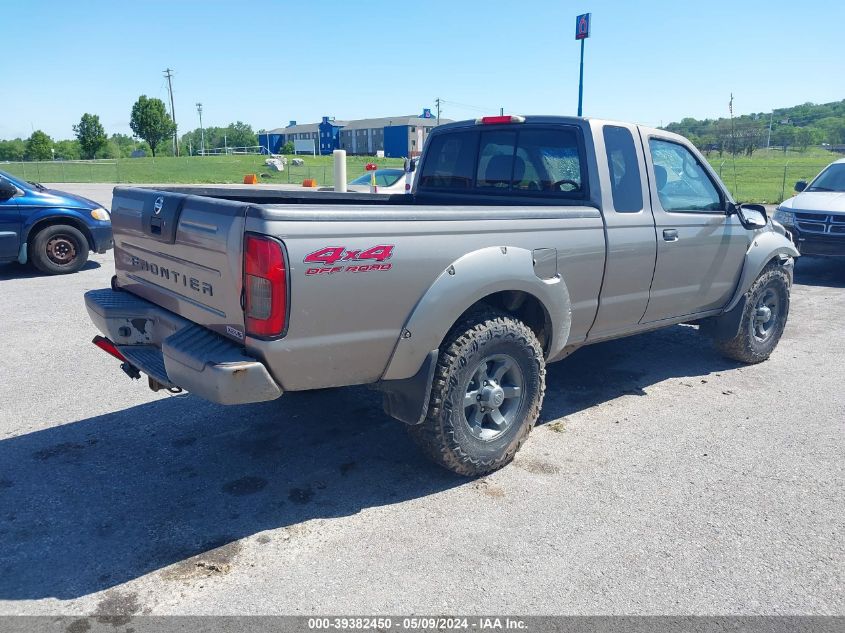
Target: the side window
(450, 161)
(496, 161)
(681, 182)
(625, 183)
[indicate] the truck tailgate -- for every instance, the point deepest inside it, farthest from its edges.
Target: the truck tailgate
(183, 253)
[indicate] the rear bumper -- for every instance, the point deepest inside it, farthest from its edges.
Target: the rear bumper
(821, 245)
(175, 352)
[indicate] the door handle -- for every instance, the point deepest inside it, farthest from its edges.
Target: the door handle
(670, 235)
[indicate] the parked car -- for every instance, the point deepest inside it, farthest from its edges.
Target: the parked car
(816, 216)
(524, 239)
(52, 229)
(388, 180)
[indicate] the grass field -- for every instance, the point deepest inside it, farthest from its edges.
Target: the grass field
(765, 177)
(187, 170)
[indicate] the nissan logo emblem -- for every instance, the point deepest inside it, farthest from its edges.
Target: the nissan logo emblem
(158, 204)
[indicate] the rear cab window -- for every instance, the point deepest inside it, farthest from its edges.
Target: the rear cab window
(524, 160)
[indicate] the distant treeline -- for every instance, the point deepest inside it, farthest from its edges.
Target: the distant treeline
(798, 127)
(39, 146)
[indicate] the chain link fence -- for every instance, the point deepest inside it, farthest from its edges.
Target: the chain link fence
(767, 181)
(188, 170)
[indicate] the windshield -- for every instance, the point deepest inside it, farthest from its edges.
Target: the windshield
(384, 178)
(831, 179)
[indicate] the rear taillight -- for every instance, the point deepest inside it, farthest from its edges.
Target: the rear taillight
(265, 287)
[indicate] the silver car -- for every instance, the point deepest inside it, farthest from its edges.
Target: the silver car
(816, 216)
(387, 181)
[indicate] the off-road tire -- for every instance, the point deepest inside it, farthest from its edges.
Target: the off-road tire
(445, 435)
(746, 347)
(52, 245)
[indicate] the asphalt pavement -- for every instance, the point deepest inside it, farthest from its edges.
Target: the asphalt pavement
(662, 479)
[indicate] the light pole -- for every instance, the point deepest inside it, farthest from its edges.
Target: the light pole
(202, 131)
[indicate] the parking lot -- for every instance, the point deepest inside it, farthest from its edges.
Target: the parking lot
(661, 479)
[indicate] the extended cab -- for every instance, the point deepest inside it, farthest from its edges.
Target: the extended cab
(51, 229)
(523, 239)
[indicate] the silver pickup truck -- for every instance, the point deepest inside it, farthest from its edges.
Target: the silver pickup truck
(523, 239)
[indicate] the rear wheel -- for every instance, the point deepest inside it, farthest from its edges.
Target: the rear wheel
(486, 396)
(59, 249)
(762, 321)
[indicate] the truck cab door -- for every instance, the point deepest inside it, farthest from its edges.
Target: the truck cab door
(10, 221)
(631, 246)
(700, 248)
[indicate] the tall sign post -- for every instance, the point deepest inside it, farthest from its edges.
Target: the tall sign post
(582, 32)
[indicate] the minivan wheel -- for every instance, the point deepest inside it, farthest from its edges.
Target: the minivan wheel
(763, 320)
(486, 397)
(59, 249)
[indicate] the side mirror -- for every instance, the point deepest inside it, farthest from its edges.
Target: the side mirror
(800, 185)
(7, 190)
(751, 216)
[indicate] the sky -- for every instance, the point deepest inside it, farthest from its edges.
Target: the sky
(272, 61)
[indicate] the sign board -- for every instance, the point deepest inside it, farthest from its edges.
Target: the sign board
(426, 114)
(304, 146)
(582, 26)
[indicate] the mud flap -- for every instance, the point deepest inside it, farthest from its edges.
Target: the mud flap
(407, 399)
(725, 326)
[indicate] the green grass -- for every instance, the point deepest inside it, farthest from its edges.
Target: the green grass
(188, 170)
(760, 178)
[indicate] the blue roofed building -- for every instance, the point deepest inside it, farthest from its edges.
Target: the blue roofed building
(397, 137)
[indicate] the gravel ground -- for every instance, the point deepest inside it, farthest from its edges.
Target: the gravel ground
(662, 479)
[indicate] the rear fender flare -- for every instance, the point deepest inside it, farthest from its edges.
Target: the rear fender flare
(463, 283)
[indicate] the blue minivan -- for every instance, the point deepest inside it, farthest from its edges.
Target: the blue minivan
(52, 229)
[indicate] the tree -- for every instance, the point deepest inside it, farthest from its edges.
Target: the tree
(784, 135)
(287, 148)
(127, 144)
(240, 134)
(91, 135)
(68, 150)
(38, 146)
(806, 136)
(12, 150)
(151, 122)
(833, 129)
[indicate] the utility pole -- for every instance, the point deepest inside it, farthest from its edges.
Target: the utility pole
(733, 135)
(437, 101)
(769, 139)
(169, 74)
(202, 131)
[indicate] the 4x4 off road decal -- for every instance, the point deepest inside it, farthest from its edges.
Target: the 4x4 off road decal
(330, 256)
